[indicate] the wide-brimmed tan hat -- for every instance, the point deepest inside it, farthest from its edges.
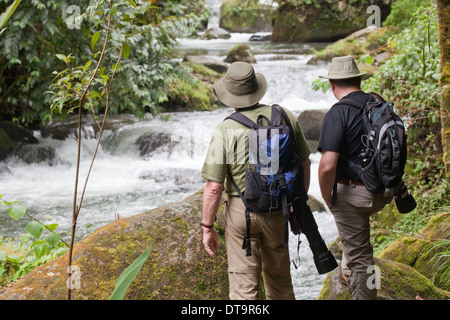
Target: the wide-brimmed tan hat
(343, 68)
(241, 87)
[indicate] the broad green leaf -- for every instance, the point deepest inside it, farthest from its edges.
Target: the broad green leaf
(53, 238)
(94, 95)
(13, 258)
(128, 275)
(86, 66)
(132, 3)
(126, 51)
(24, 237)
(3, 256)
(95, 39)
(38, 251)
(52, 226)
(17, 212)
(35, 229)
(63, 58)
(4, 17)
(366, 59)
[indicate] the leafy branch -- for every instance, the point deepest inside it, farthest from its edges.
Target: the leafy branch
(73, 90)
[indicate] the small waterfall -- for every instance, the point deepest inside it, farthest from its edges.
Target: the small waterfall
(214, 8)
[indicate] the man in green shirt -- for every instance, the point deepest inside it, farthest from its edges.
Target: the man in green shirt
(242, 89)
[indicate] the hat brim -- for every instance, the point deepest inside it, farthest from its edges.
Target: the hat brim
(241, 101)
(343, 77)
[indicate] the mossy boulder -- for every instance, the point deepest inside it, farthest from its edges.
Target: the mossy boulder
(322, 20)
(241, 52)
(209, 62)
(419, 250)
(194, 92)
(398, 281)
(178, 266)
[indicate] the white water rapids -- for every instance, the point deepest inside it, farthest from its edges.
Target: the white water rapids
(126, 183)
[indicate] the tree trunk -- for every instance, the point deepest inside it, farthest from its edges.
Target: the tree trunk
(443, 7)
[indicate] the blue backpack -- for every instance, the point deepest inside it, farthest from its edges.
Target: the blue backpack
(274, 176)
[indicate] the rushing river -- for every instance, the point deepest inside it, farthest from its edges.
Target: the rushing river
(126, 182)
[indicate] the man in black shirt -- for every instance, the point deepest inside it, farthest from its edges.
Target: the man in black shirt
(349, 201)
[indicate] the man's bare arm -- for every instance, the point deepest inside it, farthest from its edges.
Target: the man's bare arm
(212, 195)
(327, 174)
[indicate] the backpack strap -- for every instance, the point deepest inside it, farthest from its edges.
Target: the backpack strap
(286, 214)
(242, 119)
(285, 117)
(276, 115)
(247, 243)
(376, 95)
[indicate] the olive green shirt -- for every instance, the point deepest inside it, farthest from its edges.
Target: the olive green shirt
(228, 149)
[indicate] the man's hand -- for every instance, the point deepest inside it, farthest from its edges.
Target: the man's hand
(210, 241)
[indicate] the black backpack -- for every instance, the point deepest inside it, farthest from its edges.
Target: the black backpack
(384, 154)
(274, 176)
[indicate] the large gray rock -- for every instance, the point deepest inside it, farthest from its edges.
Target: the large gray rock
(17, 134)
(13, 136)
(311, 123)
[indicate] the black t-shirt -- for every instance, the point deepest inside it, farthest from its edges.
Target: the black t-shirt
(342, 129)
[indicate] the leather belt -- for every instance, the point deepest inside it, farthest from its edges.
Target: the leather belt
(349, 182)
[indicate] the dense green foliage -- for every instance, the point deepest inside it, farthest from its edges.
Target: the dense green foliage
(38, 245)
(411, 79)
(40, 30)
(402, 12)
(245, 16)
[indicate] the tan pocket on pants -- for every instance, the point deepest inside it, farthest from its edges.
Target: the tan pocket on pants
(359, 203)
(357, 197)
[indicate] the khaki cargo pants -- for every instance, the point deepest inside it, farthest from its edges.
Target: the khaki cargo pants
(269, 256)
(352, 210)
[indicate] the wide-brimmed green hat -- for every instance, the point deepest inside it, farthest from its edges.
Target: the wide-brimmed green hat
(241, 87)
(343, 68)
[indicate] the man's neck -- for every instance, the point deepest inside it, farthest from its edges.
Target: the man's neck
(343, 92)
